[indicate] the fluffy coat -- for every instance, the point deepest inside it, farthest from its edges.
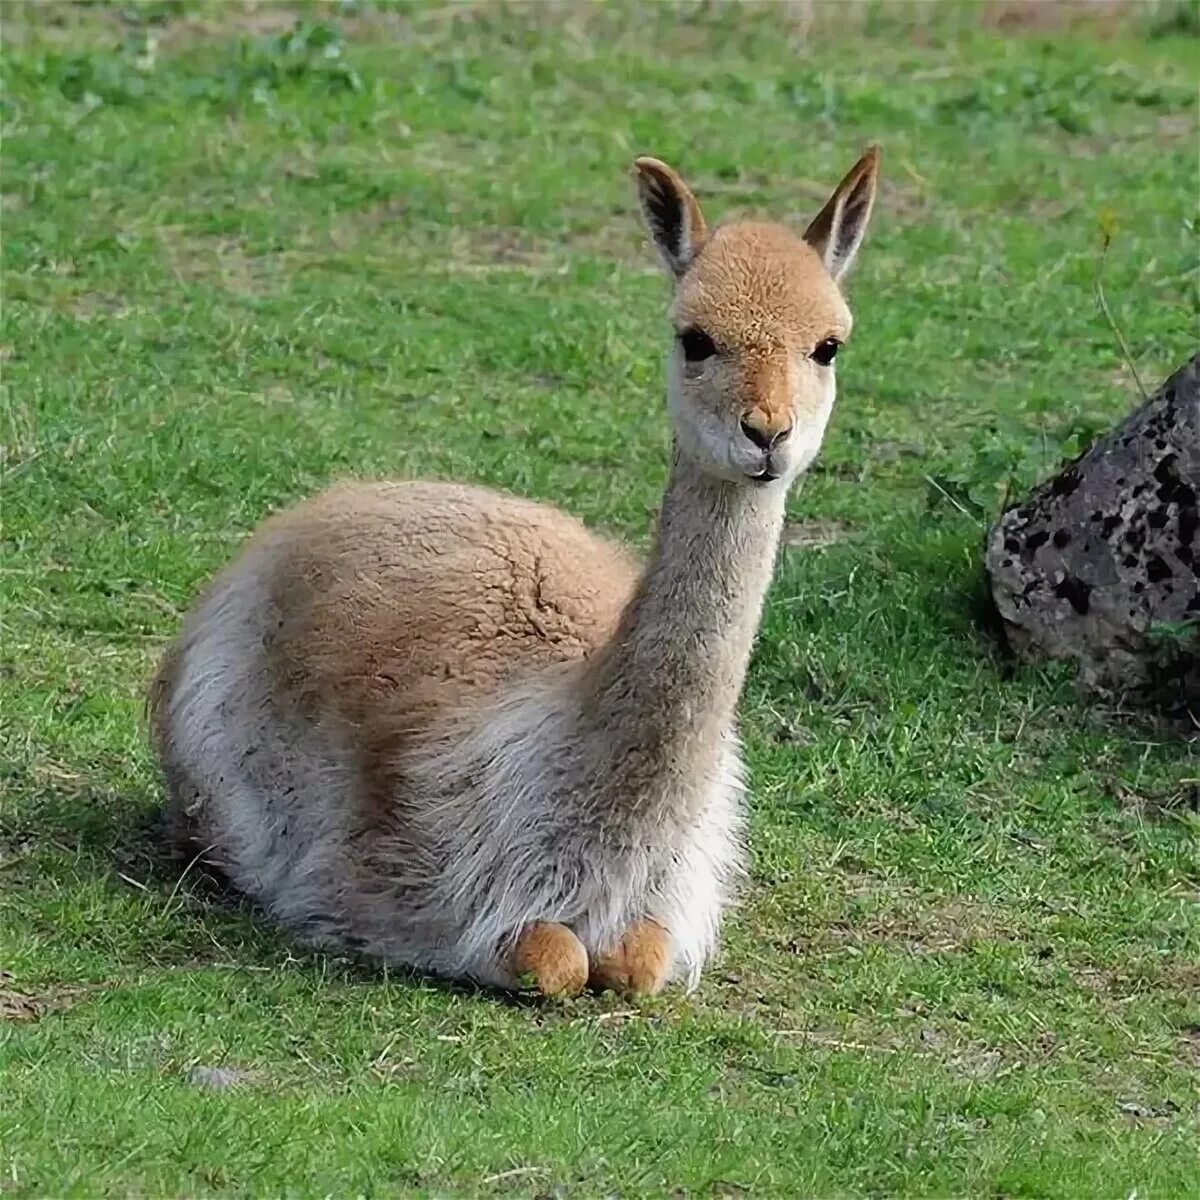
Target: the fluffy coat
(454, 730)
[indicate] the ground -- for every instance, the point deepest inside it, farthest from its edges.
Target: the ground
(251, 249)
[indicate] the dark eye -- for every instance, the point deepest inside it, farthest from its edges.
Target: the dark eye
(826, 352)
(697, 345)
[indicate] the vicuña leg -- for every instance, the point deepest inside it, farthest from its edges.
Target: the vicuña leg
(554, 957)
(639, 964)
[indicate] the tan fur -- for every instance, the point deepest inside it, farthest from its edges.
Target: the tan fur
(555, 959)
(765, 298)
(640, 964)
(471, 584)
(454, 729)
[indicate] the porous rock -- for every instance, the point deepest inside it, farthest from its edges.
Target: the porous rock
(1101, 563)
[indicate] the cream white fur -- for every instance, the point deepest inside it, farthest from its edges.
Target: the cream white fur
(413, 719)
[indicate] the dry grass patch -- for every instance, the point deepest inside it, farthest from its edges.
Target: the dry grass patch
(24, 1004)
(679, 27)
(220, 262)
(379, 232)
(905, 923)
(1099, 18)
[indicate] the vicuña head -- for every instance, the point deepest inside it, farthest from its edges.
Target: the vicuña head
(454, 730)
(758, 319)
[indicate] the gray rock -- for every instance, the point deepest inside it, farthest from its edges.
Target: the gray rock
(1101, 564)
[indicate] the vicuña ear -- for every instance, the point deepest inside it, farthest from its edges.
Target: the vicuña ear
(838, 229)
(672, 215)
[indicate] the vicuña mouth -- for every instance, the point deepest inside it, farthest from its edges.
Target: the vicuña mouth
(765, 476)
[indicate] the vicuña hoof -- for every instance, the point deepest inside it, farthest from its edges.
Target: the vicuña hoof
(554, 958)
(640, 963)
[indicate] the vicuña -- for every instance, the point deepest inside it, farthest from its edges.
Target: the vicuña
(454, 730)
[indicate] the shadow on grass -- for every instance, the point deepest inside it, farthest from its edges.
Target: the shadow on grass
(120, 842)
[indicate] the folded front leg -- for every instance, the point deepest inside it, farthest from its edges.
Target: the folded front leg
(640, 962)
(554, 957)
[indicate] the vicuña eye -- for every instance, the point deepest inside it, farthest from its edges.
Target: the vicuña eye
(826, 352)
(697, 345)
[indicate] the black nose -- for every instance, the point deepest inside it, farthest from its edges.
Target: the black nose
(764, 440)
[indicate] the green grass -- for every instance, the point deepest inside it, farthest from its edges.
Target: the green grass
(404, 242)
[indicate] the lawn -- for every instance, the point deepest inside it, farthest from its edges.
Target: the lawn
(251, 249)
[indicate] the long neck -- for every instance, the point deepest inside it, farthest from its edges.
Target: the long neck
(665, 689)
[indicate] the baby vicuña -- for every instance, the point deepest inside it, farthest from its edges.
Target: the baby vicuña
(454, 730)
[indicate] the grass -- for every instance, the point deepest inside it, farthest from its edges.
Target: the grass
(243, 257)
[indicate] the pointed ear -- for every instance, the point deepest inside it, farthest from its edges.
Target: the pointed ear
(838, 229)
(672, 215)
